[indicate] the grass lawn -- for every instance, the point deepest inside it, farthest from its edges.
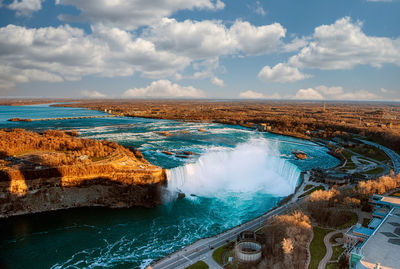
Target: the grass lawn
(372, 152)
(334, 237)
(198, 265)
(337, 250)
(375, 171)
(353, 220)
(311, 191)
(217, 254)
(334, 265)
(349, 164)
(307, 187)
(317, 246)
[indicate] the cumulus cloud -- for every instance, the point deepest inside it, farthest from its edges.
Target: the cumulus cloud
(9, 76)
(257, 95)
(334, 90)
(343, 45)
(25, 7)
(257, 8)
(67, 53)
(281, 73)
(205, 39)
(92, 94)
(323, 92)
(295, 44)
(131, 14)
(218, 82)
(357, 95)
(308, 94)
(165, 89)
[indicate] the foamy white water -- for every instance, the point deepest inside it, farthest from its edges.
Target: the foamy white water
(250, 167)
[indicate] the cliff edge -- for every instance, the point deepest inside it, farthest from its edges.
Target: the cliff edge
(56, 170)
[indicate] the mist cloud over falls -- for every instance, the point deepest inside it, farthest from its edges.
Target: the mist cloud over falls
(251, 167)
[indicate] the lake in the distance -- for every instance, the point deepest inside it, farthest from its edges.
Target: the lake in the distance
(237, 174)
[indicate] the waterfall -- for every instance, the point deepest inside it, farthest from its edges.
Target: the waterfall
(250, 167)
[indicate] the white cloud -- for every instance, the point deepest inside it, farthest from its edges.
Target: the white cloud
(159, 52)
(281, 73)
(9, 76)
(335, 90)
(165, 89)
(205, 39)
(257, 8)
(218, 82)
(55, 54)
(256, 40)
(257, 95)
(92, 94)
(295, 44)
(343, 45)
(25, 7)
(357, 95)
(251, 95)
(130, 14)
(308, 94)
(384, 90)
(334, 93)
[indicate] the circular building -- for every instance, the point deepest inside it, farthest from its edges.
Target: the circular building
(248, 251)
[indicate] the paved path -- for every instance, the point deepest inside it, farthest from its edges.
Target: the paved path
(329, 250)
(203, 248)
(327, 239)
(391, 153)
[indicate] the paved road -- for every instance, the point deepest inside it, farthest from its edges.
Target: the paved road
(391, 153)
(199, 249)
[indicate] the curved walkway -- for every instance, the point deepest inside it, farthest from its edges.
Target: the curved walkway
(329, 245)
(327, 239)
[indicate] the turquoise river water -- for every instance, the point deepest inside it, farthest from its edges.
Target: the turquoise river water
(237, 174)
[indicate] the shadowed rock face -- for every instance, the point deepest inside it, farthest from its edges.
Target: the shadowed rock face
(54, 170)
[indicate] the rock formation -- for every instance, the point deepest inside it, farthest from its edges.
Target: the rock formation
(54, 170)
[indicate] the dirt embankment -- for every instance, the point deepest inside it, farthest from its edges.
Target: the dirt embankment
(55, 170)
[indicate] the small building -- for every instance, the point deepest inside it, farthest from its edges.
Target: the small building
(247, 249)
(356, 235)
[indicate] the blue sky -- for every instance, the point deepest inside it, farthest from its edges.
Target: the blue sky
(276, 49)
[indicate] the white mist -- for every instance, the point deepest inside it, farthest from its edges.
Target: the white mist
(254, 166)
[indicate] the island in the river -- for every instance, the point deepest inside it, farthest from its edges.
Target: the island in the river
(57, 170)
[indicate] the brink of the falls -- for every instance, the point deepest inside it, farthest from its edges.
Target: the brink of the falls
(250, 167)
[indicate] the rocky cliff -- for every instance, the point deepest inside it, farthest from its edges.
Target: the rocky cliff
(55, 170)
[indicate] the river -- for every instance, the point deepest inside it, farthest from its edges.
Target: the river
(235, 175)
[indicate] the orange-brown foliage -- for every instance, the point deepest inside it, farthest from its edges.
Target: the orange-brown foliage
(379, 186)
(58, 147)
(286, 239)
